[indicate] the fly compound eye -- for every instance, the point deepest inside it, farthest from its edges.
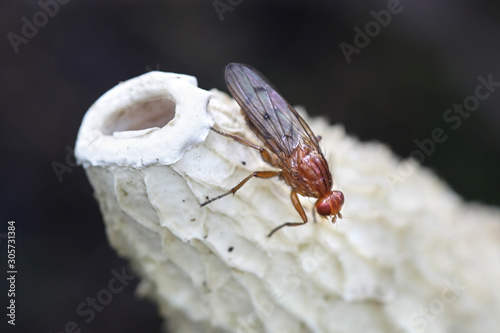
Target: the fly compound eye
(324, 209)
(330, 204)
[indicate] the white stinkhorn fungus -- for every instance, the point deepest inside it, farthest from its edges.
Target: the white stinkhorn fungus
(408, 256)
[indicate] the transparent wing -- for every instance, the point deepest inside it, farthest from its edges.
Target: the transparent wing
(276, 122)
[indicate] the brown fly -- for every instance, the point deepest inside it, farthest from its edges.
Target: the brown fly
(290, 145)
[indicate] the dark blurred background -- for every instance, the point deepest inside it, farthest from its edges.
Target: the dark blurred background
(394, 89)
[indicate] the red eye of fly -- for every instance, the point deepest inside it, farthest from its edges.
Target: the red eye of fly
(330, 204)
(324, 209)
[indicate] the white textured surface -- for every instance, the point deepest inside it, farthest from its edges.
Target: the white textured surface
(409, 255)
(133, 124)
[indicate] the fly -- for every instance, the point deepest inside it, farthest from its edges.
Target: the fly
(289, 144)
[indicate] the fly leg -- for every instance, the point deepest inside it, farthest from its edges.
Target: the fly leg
(258, 174)
(266, 155)
(313, 212)
(239, 139)
(300, 210)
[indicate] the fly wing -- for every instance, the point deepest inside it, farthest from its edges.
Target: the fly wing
(279, 124)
